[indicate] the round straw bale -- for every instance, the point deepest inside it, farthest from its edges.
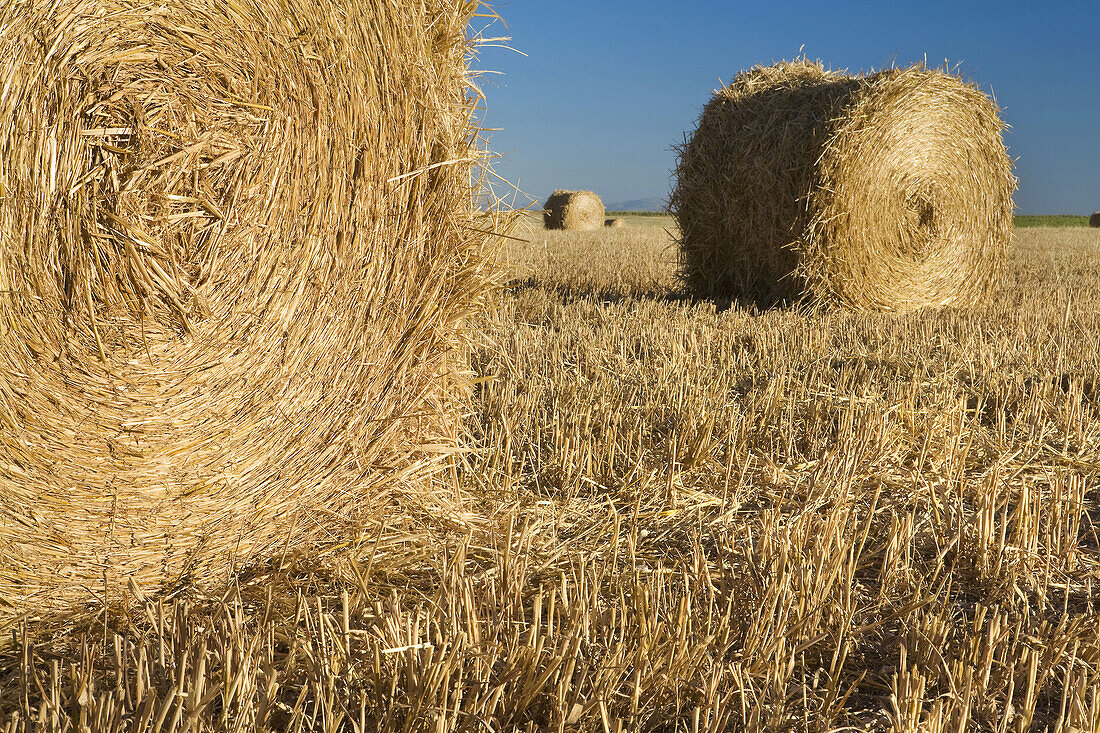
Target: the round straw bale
(615, 223)
(573, 210)
(237, 246)
(889, 191)
(1094, 220)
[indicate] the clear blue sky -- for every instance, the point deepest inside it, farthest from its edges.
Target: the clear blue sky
(608, 86)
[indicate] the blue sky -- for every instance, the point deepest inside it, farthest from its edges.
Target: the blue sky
(606, 88)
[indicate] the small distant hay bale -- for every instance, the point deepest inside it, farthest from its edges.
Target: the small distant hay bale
(237, 249)
(615, 223)
(1094, 220)
(573, 210)
(890, 191)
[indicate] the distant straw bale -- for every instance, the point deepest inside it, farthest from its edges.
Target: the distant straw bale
(615, 223)
(237, 248)
(1094, 220)
(573, 210)
(889, 191)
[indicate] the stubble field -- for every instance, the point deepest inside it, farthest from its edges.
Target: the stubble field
(680, 515)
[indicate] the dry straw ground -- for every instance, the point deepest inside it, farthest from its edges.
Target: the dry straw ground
(237, 248)
(681, 516)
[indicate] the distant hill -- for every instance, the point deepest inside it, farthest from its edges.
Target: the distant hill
(654, 203)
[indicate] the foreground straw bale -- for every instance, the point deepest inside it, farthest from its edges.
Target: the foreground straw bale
(573, 210)
(237, 251)
(889, 191)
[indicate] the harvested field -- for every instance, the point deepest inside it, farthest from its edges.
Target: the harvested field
(1057, 220)
(681, 515)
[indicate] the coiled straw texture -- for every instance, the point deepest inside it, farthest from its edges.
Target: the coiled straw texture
(891, 191)
(573, 211)
(237, 252)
